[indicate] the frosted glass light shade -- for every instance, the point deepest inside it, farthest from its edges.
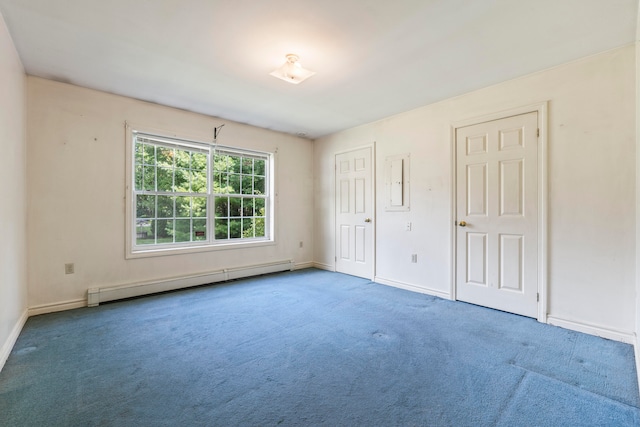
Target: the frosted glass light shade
(292, 71)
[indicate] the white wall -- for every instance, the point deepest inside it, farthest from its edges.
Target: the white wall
(637, 299)
(76, 155)
(13, 249)
(591, 160)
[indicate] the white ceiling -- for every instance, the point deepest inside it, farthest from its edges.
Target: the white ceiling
(373, 58)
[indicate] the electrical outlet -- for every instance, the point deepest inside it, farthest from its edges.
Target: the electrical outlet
(69, 268)
(414, 258)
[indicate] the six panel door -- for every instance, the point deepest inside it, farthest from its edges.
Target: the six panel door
(496, 202)
(354, 213)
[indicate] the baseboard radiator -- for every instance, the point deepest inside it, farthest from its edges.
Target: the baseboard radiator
(95, 296)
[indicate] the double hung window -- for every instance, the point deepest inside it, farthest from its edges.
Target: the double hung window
(188, 194)
(240, 197)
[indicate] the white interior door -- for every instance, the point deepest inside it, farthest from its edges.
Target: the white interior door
(354, 213)
(496, 203)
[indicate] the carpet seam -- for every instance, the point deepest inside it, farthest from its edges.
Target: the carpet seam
(509, 402)
(593, 393)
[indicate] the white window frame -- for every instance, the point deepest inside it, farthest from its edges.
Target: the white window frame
(132, 250)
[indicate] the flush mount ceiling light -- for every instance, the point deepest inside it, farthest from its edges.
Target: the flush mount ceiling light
(292, 71)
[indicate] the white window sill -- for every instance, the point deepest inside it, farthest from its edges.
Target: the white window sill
(154, 252)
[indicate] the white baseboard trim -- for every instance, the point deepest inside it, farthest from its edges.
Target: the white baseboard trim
(303, 265)
(111, 293)
(58, 306)
(7, 346)
(322, 266)
(599, 331)
(411, 287)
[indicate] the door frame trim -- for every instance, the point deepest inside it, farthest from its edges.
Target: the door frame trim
(542, 227)
(372, 146)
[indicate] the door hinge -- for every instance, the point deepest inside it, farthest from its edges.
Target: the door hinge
(538, 133)
(538, 297)
(336, 259)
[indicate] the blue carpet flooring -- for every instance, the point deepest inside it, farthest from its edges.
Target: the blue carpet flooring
(311, 348)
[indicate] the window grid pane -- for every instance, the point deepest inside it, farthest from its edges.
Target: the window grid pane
(240, 194)
(161, 217)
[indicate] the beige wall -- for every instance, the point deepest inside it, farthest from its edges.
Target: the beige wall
(76, 155)
(637, 299)
(13, 249)
(591, 198)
